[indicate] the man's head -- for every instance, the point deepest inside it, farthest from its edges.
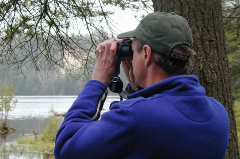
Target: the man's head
(170, 38)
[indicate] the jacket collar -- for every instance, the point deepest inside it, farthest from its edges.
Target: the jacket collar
(178, 85)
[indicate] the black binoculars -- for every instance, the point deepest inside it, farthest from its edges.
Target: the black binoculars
(124, 49)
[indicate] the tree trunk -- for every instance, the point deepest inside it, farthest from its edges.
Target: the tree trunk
(210, 64)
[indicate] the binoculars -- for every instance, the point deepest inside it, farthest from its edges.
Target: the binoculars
(124, 49)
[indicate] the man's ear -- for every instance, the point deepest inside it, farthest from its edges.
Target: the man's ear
(147, 55)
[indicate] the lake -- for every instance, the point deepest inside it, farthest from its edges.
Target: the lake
(31, 113)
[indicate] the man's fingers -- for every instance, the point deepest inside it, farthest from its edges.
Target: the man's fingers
(100, 49)
(113, 49)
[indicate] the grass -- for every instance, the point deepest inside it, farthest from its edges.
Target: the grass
(29, 143)
(44, 142)
(237, 118)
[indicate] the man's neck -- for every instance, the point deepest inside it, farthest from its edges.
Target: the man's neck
(156, 75)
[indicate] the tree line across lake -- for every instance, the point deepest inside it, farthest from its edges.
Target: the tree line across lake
(42, 83)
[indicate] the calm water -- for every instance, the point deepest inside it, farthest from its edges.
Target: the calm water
(38, 106)
(31, 113)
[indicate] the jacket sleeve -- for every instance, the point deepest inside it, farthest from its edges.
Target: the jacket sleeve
(82, 136)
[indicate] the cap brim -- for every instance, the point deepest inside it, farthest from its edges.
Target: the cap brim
(129, 34)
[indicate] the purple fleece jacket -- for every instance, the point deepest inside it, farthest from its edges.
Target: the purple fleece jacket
(172, 119)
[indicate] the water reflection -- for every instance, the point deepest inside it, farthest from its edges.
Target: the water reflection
(3, 138)
(9, 149)
(21, 155)
(25, 127)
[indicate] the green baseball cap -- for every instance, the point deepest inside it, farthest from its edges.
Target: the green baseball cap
(162, 31)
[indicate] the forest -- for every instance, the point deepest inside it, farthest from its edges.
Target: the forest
(41, 83)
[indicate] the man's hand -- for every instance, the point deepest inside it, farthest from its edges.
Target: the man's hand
(105, 65)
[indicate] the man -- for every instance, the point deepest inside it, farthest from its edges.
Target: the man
(170, 118)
